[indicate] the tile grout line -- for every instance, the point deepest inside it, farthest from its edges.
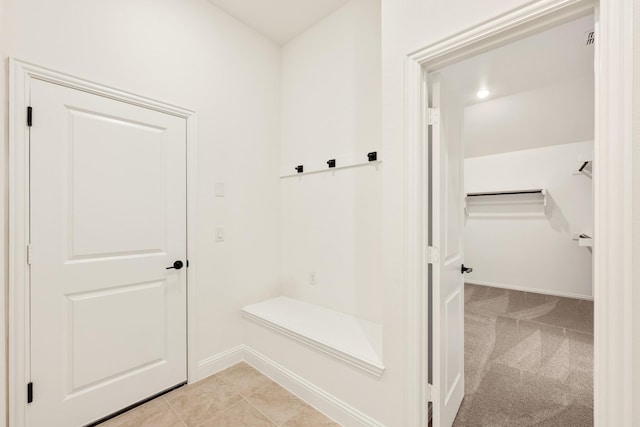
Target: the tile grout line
(246, 398)
(258, 409)
(306, 405)
(262, 388)
(221, 412)
(242, 395)
(175, 412)
(258, 390)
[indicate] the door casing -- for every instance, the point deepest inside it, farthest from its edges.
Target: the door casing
(612, 183)
(21, 74)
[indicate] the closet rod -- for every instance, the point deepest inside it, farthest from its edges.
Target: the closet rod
(501, 193)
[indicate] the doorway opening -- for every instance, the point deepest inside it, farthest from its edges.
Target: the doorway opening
(439, 375)
(511, 209)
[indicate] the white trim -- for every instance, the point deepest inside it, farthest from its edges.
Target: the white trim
(17, 303)
(520, 22)
(311, 394)
(370, 367)
(612, 182)
(192, 221)
(613, 285)
(527, 289)
(20, 76)
(219, 362)
(415, 232)
(326, 403)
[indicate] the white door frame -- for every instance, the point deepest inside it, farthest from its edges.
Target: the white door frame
(612, 183)
(20, 76)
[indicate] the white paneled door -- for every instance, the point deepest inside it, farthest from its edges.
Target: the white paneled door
(107, 218)
(447, 198)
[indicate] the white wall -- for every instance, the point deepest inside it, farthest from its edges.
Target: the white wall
(529, 140)
(189, 53)
(221, 82)
(4, 205)
(408, 25)
(331, 222)
(636, 211)
(544, 116)
(532, 253)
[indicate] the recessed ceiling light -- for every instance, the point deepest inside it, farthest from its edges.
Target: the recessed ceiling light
(483, 93)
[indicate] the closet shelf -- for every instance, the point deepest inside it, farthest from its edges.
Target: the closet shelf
(507, 193)
(506, 203)
(582, 239)
(586, 167)
(585, 240)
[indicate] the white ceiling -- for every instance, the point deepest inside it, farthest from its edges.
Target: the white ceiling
(544, 59)
(553, 115)
(279, 20)
(542, 92)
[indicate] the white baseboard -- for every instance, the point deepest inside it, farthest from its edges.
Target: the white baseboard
(324, 402)
(527, 289)
(219, 362)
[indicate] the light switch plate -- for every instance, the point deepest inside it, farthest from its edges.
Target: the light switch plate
(218, 189)
(220, 234)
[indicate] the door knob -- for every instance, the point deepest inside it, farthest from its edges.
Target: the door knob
(464, 269)
(177, 265)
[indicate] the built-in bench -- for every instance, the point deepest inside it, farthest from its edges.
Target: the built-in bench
(354, 341)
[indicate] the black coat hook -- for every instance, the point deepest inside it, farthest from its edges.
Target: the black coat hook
(300, 169)
(332, 163)
(373, 156)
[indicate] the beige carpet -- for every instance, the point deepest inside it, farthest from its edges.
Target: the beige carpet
(528, 360)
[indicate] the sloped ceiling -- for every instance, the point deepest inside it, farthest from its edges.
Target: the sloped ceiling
(542, 91)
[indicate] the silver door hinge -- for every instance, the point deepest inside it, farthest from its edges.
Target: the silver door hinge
(29, 254)
(432, 116)
(433, 255)
(428, 392)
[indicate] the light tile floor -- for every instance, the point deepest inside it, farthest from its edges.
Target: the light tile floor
(236, 397)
